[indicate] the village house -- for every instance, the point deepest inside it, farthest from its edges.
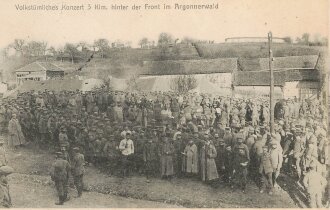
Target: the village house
(294, 77)
(38, 71)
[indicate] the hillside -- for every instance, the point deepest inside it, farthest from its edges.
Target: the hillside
(123, 63)
(254, 50)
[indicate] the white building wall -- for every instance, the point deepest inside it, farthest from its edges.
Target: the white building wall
(291, 90)
(24, 76)
(3, 88)
(221, 80)
(256, 91)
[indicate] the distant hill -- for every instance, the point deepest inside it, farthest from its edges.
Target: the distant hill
(255, 50)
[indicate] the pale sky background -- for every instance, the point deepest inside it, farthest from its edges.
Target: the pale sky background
(234, 18)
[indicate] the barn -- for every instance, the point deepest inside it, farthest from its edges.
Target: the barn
(38, 71)
(295, 76)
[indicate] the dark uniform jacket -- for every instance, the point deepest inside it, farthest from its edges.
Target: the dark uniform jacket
(78, 165)
(60, 170)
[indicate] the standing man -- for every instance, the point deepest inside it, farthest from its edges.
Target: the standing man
(3, 155)
(5, 198)
(276, 159)
(150, 157)
(241, 165)
(208, 167)
(16, 137)
(166, 158)
(266, 169)
(60, 175)
(78, 170)
(191, 158)
(315, 185)
(126, 147)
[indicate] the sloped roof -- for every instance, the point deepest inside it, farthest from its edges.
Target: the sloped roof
(306, 61)
(40, 66)
(289, 62)
(145, 84)
(52, 85)
(262, 78)
(201, 66)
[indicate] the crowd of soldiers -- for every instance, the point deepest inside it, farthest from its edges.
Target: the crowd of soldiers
(165, 134)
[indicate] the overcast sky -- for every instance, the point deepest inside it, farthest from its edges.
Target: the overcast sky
(234, 18)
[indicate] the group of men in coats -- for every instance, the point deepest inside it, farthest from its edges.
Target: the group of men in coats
(168, 134)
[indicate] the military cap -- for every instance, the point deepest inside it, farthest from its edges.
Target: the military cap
(76, 149)
(251, 130)
(58, 153)
(240, 147)
(298, 130)
(273, 143)
(239, 136)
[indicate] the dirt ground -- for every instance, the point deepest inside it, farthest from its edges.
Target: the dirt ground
(31, 186)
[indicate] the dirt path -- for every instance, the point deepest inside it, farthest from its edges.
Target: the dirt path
(30, 191)
(32, 187)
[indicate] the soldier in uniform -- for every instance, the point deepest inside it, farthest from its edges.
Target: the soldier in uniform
(241, 162)
(60, 175)
(266, 169)
(150, 157)
(78, 170)
(63, 138)
(315, 185)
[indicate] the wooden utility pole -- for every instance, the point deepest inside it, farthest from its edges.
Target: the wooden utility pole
(271, 105)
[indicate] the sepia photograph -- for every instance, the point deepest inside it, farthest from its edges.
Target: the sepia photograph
(164, 104)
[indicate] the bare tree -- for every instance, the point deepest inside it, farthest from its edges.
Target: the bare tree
(84, 48)
(102, 45)
(71, 49)
(165, 39)
(52, 51)
(183, 83)
(43, 48)
(60, 53)
(4, 53)
(143, 42)
(35, 48)
(305, 38)
(18, 45)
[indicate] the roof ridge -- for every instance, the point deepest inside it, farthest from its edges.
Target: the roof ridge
(37, 62)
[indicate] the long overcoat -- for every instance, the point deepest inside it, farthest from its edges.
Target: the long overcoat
(208, 166)
(191, 159)
(16, 136)
(166, 159)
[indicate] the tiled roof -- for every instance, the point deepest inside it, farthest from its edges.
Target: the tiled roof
(262, 78)
(289, 62)
(40, 66)
(202, 66)
(306, 61)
